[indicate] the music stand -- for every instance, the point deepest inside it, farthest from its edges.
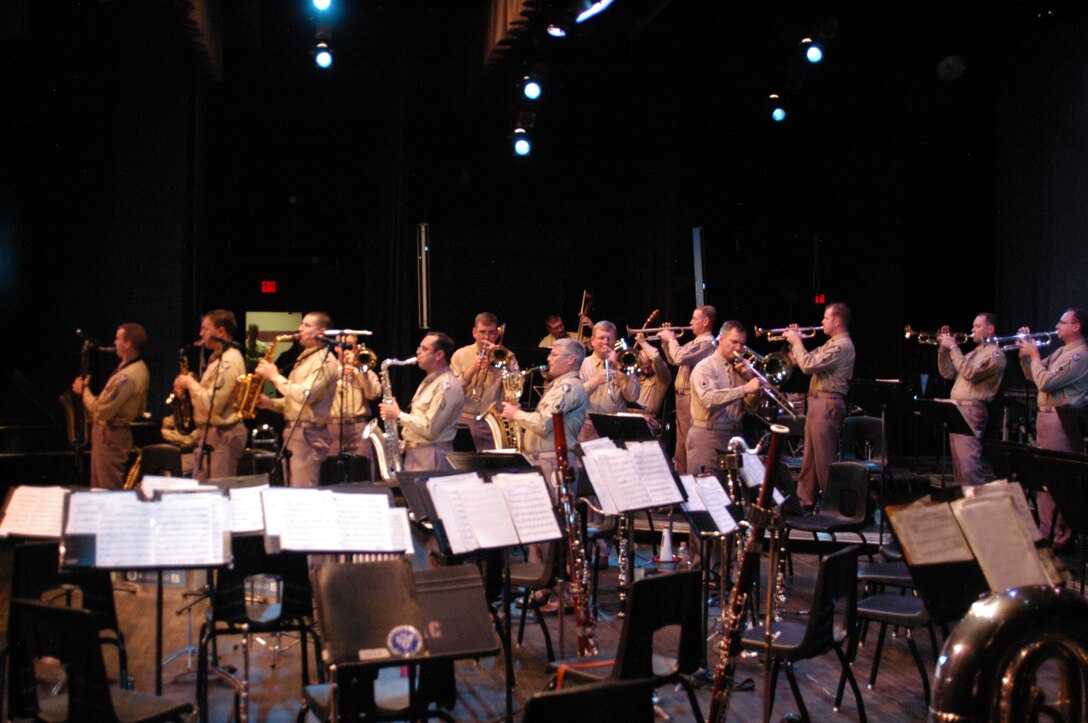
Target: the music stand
(488, 461)
(1075, 423)
(623, 428)
(947, 415)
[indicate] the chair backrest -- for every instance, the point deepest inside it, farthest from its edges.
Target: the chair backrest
(630, 701)
(657, 602)
(35, 569)
(862, 439)
(38, 630)
(787, 485)
(160, 459)
(847, 491)
(836, 584)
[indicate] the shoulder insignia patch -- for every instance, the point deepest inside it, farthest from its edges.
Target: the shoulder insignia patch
(1076, 357)
(566, 387)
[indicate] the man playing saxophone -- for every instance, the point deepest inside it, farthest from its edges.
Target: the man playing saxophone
(977, 378)
(480, 380)
(685, 358)
(306, 401)
(428, 430)
(221, 434)
(610, 390)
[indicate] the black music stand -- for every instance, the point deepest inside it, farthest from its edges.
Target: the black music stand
(1075, 423)
(946, 415)
(623, 428)
(488, 461)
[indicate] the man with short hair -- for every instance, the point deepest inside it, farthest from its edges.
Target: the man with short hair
(685, 358)
(977, 378)
(717, 400)
(557, 330)
(427, 431)
(654, 378)
(306, 400)
(356, 387)
(121, 401)
(1062, 379)
(831, 366)
(221, 433)
(608, 388)
(480, 381)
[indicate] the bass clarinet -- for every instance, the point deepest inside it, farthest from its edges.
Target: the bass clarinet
(576, 553)
(748, 571)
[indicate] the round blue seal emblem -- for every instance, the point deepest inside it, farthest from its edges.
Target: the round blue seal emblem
(404, 640)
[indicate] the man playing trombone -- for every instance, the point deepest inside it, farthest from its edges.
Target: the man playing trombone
(977, 378)
(1062, 379)
(481, 381)
(831, 367)
(717, 400)
(685, 358)
(654, 378)
(610, 390)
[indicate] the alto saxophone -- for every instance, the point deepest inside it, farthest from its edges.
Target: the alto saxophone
(247, 392)
(388, 441)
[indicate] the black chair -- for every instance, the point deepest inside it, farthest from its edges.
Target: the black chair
(845, 508)
(530, 577)
(38, 630)
(836, 586)
(160, 459)
(793, 449)
(862, 441)
(630, 701)
(655, 603)
(230, 611)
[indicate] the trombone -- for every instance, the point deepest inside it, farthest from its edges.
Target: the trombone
(769, 390)
(1007, 343)
(933, 338)
(655, 332)
(498, 356)
(628, 357)
(806, 332)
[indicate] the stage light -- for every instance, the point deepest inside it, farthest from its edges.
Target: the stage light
(814, 54)
(531, 88)
(523, 145)
(322, 5)
(778, 114)
(556, 30)
(323, 55)
(588, 8)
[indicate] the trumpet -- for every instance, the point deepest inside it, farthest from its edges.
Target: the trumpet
(806, 332)
(654, 333)
(1039, 338)
(933, 338)
(364, 358)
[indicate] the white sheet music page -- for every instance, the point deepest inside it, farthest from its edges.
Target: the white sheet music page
(246, 510)
(929, 533)
(451, 510)
(695, 502)
(752, 469)
(309, 521)
(530, 506)
(34, 512)
(364, 522)
(714, 497)
(1015, 493)
(400, 530)
(656, 473)
(602, 483)
(189, 529)
(627, 487)
(151, 484)
(1004, 552)
(125, 531)
(273, 502)
(488, 515)
(84, 510)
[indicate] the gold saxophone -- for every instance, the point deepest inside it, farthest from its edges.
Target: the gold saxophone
(247, 391)
(507, 434)
(183, 405)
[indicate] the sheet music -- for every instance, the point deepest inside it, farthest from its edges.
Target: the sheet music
(84, 509)
(929, 533)
(400, 530)
(189, 529)
(124, 531)
(529, 505)
(273, 502)
(246, 510)
(695, 502)
(601, 484)
(151, 484)
(451, 510)
(1005, 554)
(596, 445)
(656, 473)
(309, 521)
(34, 512)
(714, 498)
(752, 469)
(487, 513)
(363, 520)
(1015, 494)
(627, 485)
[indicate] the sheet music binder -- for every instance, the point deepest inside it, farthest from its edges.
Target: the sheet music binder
(623, 427)
(587, 485)
(456, 617)
(945, 413)
(30, 517)
(1075, 423)
(274, 538)
(498, 461)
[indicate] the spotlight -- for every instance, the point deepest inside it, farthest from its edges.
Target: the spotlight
(556, 30)
(813, 53)
(323, 55)
(523, 145)
(322, 5)
(531, 88)
(588, 8)
(778, 114)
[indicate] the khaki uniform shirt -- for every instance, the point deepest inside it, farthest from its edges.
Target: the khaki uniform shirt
(124, 397)
(566, 394)
(490, 391)
(652, 389)
(830, 365)
(217, 388)
(435, 409)
(717, 394)
(549, 341)
(600, 402)
(351, 400)
(1062, 377)
(314, 373)
(977, 374)
(687, 356)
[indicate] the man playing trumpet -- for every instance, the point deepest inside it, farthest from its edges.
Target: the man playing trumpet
(977, 378)
(481, 382)
(610, 390)
(685, 358)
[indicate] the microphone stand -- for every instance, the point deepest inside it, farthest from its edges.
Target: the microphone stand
(202, 440)
(284, 453)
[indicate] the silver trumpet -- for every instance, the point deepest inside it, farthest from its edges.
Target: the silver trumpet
(654, 333)
(779, 334)
(768, 390)
(1039, 338)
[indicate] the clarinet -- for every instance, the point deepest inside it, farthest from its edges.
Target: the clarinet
(576, 554)
(748, 571)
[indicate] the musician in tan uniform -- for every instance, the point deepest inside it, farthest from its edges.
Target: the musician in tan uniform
(558, 330)
(685, 357)
(717, 400)
(427, 431)
(221, 434)
(480, 381)
(306, 400)
(565, 394)
(654, 378)
(608, 388)
(831, 367)
(121, 401)
(1062, 379)
(356, 387)
(977, 378)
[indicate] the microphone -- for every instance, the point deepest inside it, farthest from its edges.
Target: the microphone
(348, 332)
(328, 341)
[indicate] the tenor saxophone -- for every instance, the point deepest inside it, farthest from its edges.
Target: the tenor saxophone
(247, 392)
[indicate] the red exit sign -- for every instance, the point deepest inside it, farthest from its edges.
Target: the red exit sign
(817, 299)
(268, 287)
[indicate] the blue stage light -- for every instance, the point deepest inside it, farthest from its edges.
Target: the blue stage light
(778, 114)
(523, 146)
(323, 56)
(531, 89)
(322, 5)
(814, 54)
(589, 8)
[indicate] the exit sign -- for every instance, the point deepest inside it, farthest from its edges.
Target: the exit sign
(818, 298)
(268, 287)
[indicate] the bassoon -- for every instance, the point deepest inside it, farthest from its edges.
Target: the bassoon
(733, 614)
